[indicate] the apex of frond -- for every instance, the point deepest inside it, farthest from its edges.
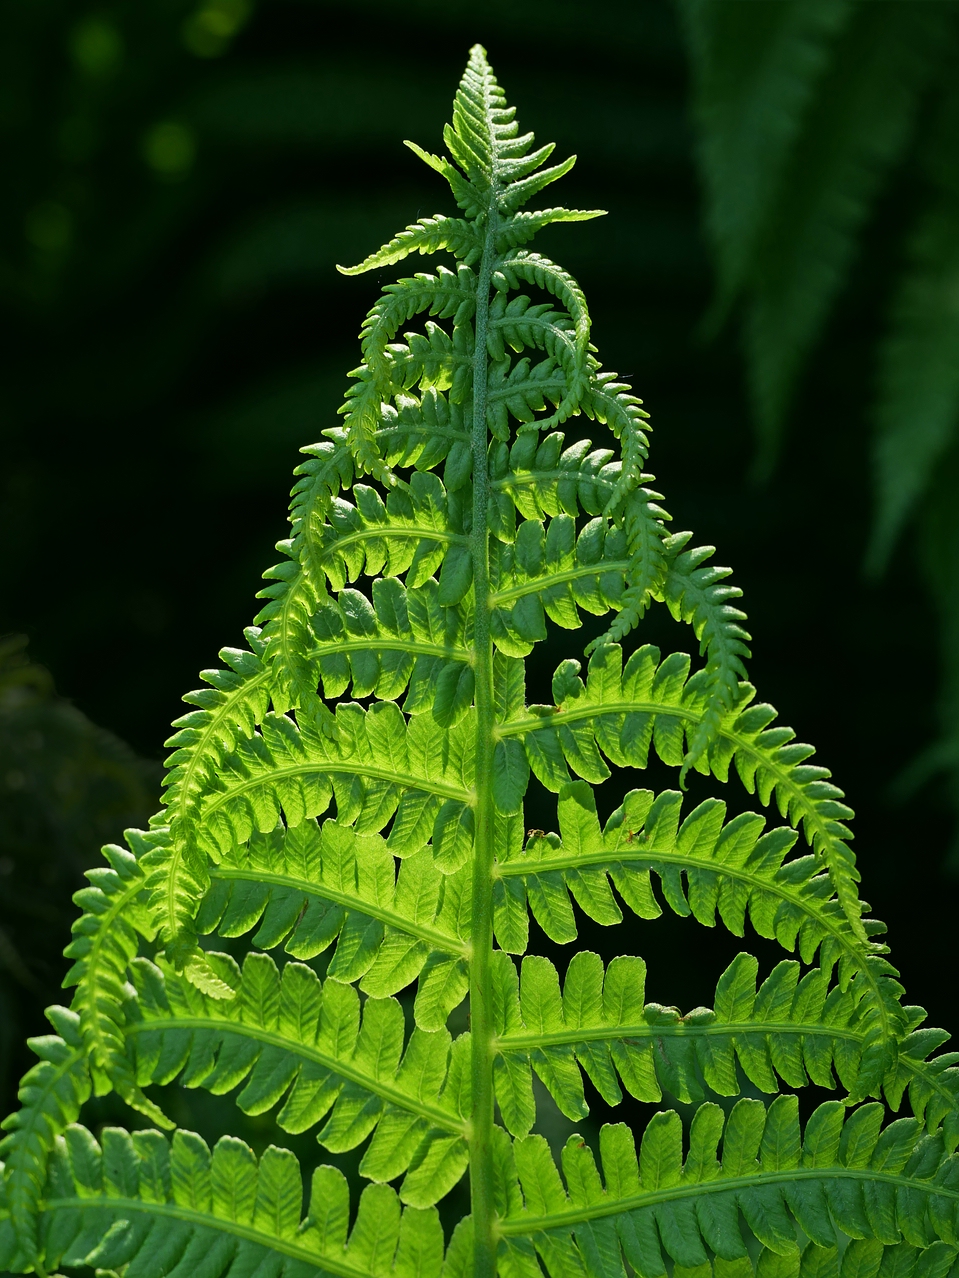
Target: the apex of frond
(492, 165)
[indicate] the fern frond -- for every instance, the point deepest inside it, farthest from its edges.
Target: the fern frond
(50, 1096)
(644, 522)
(418, 529)
(433, 361)
(517, 323)
(796, 1030)
(288, 1034)
(311, 887)
(521, 189)
(623, 711)
(403, 639)
(299, 581)
(612, 403)
(932, 1085)
(642, 517)
(422, 433)
(466, 196)
(533, 268)
(384, 837)
(228, 710)
(136, 1200)
(424, 430)
(520, 390)
(483, 126)
(445, 295)
(485, 142)
(538, 477)
(428, 235)
(756, 1168)
(734, 870)
(106, 938)
(373, 760)
(522, 227)
(551, 570)
(694, 595)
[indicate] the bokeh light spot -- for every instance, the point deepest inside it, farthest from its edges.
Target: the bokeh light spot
(169, 148)
(96, 46)
(208, 32)
(49, 226)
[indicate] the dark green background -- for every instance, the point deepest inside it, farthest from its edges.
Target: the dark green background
(176, 330)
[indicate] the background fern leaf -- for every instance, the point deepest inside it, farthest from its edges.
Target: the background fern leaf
(857, 128)
(819, 125)
(918, 394)
(775, 56)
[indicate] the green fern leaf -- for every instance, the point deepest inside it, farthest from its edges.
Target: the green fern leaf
(523, 226)
(106, 939)
(795, 1029)
(50, 1097)
(775, 56)
(625, 711)
(768, 1177)
(919, 386)
(310, 887)
(376, 848)
(803, 108)
(857, 129)
(290, 1035)
(139, 1201)
(428, 235)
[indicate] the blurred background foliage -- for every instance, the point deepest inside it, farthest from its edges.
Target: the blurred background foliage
(182, 177)
(811, 117)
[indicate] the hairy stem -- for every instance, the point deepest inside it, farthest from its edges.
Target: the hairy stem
(481, 1023)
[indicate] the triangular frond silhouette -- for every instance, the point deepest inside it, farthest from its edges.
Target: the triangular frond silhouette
(368, 859)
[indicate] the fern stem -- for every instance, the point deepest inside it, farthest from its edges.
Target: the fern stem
(481, 1000)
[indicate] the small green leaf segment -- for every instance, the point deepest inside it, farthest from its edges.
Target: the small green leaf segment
(373, 854)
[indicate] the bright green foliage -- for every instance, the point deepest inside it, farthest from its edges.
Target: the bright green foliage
(807, 111)
(377, 848)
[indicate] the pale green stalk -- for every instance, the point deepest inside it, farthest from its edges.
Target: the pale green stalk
(481, 1139)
